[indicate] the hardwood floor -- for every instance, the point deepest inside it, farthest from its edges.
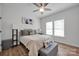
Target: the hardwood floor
(67, 50)
(63, 50)
(15, 51)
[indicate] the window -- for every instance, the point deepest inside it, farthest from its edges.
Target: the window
(59, 28)
(49, 28)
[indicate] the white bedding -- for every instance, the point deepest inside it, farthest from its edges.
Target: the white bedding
(34, 43)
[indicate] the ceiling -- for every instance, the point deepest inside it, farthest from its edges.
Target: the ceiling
(56, 7)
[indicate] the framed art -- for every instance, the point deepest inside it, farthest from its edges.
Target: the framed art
(27, 20)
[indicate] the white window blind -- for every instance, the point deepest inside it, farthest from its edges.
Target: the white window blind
(59, 28)
(49, 28)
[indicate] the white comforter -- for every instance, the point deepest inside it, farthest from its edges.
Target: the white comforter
(34, 43)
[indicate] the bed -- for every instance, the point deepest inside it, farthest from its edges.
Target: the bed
(34, 42)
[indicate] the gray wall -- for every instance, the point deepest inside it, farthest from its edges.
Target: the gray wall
(0, 21)
(71, 19)
(12, 14)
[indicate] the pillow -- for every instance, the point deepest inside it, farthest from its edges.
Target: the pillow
(48, 44)
(24, 33)
(27, 32)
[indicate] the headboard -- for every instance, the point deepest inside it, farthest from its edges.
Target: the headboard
(27, 32)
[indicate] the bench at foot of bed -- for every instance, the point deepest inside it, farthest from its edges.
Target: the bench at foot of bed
(50, 51)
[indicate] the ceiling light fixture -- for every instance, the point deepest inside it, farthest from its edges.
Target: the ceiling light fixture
(41, 9)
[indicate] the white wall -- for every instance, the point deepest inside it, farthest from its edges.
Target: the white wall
(71, 18)
(0, 24)
(12, 14)
(0, 10)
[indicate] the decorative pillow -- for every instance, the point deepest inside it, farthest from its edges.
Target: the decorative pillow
(48, 44)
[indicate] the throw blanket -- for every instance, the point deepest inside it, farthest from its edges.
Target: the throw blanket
(34, 43)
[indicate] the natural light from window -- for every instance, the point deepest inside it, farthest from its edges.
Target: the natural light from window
(59, 28)
(49, 29)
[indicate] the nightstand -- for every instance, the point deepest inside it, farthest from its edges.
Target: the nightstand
(6, 44)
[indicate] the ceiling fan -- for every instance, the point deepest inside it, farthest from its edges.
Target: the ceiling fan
(41, 7)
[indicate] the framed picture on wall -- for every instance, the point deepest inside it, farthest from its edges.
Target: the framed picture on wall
(27, 20)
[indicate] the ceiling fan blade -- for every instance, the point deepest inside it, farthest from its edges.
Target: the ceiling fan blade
(37, 4)
(40, 4)
(45, 4)
(47, 9)
(35, 10)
